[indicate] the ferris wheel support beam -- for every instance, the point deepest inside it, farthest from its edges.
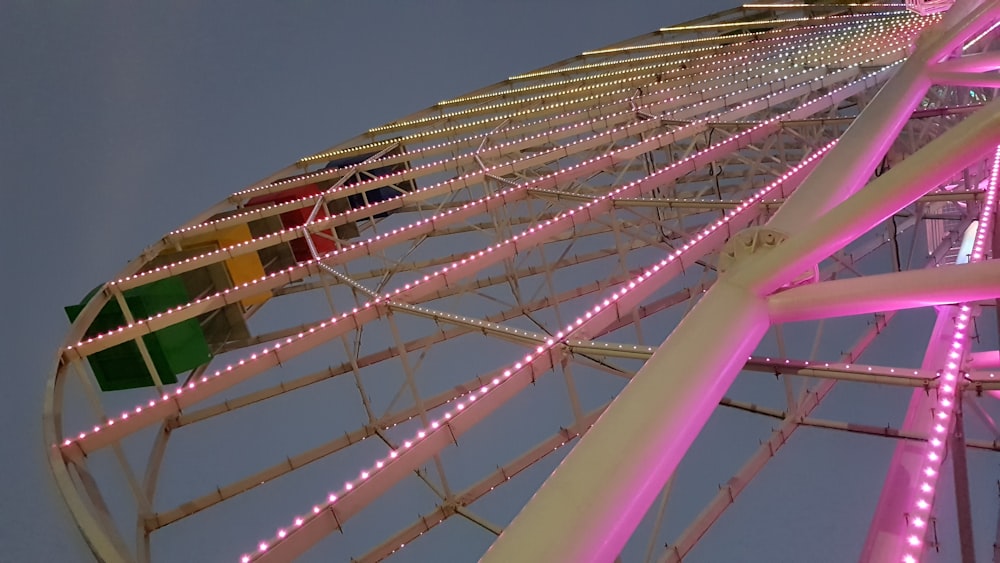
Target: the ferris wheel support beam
(869, 137)
(315, 529)
(884, 540)
(587, 509)
(808, 402)
(960, 470)
(92, 519)
(930, 167)
(887, 292)
(970, 79)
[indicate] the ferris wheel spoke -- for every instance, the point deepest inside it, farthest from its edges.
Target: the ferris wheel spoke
(294, 462)
(485, 486)
(808, 402)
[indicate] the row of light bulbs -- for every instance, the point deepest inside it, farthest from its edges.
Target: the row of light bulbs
(91, 345)
(230, 368)
(739, 64)
(560, 339)
(709, 51)
(602, 64)
(494, 106)
(715, 52)
(273, 279)
(412, 172)
(917, 513)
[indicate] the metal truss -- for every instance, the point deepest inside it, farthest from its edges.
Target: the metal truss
(592, 265)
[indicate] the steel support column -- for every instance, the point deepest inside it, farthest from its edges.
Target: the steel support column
(588, 508)
(590, 505)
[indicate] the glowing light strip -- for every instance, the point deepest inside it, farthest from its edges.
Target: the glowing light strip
(271, 357)
(274, 280)
(979, 37)
(727, 25)
(207, 303)
(356, 188)
(845, 24)
(416, 136)
(916, 527)
(510, 103)
(748, 34)
(546, 351)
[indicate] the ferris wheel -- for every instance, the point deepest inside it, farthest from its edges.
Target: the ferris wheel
(719, 291)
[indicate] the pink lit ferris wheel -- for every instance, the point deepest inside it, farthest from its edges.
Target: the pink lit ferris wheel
(723, 291)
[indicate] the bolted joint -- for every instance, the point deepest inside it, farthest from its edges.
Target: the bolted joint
(746, 243)
(753, 240)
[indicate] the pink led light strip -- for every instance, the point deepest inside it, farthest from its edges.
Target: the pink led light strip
(268, 358)
(921, 507)
(441, 431)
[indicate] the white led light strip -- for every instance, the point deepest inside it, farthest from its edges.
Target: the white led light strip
(417, 136)
(501, 168)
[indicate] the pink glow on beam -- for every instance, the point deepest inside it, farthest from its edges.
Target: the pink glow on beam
(541, 232)
(574, 329)
(924, 491)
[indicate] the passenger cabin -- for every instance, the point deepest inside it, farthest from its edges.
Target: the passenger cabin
(192, 343)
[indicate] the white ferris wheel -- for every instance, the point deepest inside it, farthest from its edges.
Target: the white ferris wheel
(718, 291)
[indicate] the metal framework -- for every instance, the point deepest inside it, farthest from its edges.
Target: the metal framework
(608, 254)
